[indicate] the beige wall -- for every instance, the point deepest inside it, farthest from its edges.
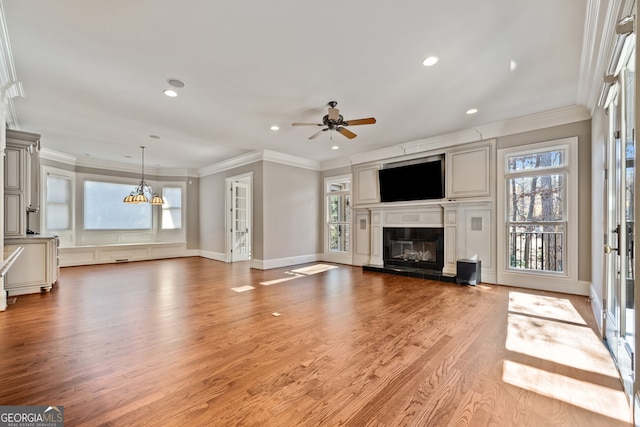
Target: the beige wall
(291, 209)
(211, 209)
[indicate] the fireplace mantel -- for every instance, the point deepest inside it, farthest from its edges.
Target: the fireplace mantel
(467, 225)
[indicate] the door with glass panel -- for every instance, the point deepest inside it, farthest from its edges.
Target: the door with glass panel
(240, 230)
(619, 235)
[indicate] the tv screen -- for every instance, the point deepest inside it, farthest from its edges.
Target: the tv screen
(420, 181)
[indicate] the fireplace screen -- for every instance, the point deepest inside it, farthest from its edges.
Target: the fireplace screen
(414, 247)
(413, 251)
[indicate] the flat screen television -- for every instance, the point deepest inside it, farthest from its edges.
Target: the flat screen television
(417, 181)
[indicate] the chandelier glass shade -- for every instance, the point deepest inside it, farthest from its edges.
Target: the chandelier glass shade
(139, 194)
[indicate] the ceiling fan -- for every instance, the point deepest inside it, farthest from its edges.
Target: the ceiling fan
(333, 120)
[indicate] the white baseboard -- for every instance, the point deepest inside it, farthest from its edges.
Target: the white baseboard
(597, 307)
(337, 258)
(218, 256)
(106, 254)
(283, 262)
(489, 277)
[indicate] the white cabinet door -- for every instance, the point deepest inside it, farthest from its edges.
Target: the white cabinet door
(14, 215)
(366, 189)
(469, 172)
(14, 169)
(29, 273)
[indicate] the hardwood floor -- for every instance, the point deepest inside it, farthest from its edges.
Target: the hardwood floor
(169, 343)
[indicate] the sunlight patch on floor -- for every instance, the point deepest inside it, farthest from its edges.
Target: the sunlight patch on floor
(563, 343)
(314, 269)
(593, 397)
(544, 306)
(285, 279)
(301, 272)
(243, 288)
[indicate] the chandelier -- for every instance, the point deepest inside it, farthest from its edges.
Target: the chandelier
(138, 194)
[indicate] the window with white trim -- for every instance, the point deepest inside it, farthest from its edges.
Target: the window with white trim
(338, 202)
(58, 203)
(172, 208)
(104, 209)
(536, 194)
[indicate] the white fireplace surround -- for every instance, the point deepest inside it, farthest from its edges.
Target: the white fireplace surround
(467, 215)
(467, 228)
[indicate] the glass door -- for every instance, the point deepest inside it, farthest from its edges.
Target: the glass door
(620, 223)
(241, 244)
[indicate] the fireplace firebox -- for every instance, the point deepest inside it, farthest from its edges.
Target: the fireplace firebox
(421, 248)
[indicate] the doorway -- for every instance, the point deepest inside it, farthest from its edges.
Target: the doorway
(619, 323)
(239, 218)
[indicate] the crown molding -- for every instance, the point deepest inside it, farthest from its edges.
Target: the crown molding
(598, 44)
(56, 156)
(10, 87)
(371, 156)
(76, 162)
(547, 119)
(234, 162)
(256, 156)
(336, 163)
(287, 159)
(558, 117)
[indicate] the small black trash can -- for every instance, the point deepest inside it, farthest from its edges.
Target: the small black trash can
(468, 271)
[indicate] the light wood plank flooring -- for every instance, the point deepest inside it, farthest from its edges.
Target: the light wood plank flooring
(169, 343)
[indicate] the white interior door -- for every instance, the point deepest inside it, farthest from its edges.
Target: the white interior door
(240, 222)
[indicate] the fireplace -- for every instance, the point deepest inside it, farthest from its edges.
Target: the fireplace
(421, 248)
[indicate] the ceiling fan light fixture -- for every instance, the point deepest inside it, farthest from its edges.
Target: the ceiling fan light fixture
(335, 121)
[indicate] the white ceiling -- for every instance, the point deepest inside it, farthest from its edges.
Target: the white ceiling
(94, 71)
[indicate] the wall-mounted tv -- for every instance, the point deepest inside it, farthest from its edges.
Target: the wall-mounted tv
(422, 179)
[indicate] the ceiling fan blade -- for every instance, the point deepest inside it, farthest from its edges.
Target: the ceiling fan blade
(315, 135)
(334, 114)
(306, 124)
(347, 133)
(367, 121)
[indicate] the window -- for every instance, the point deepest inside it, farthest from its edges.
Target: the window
(536, 195)
(339, 214)
(172, 208)
(104, 209)
(58, 203)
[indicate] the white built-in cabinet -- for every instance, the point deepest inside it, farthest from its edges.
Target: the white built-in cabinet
(21, 180)
(36, 269)
(467, 213)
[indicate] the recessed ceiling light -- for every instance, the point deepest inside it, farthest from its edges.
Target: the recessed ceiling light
(154, 137)
(472, 111)
(513, 65)
(175, 83)
(170, 93)
(432, 60)
(335, 147)
(275, 127)
(127, 157)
